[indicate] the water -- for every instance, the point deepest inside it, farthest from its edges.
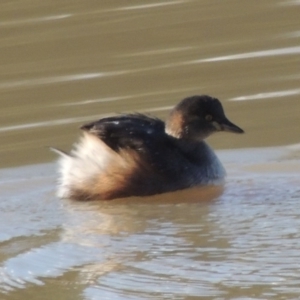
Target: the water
(63, 65)
(235, 243)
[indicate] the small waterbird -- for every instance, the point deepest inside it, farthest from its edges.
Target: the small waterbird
(138, 155)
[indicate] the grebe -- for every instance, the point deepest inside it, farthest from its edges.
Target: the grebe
(138, 155)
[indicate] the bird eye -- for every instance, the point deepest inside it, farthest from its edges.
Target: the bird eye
(208, 117)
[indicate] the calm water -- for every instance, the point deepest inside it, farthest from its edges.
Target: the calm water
(62, 64)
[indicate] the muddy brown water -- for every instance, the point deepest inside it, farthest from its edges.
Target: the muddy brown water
(65, 63)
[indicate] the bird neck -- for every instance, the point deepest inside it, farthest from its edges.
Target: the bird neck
(175, 125)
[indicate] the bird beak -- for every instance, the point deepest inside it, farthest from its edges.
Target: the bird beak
(226, 125)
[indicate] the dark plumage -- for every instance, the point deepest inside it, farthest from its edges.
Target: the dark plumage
(127, 131)
(137, 155)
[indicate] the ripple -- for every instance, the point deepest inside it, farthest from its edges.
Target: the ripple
(157, 52)
(259, 96)
(151, 5)
(291, 2)
(35, 20)
(48, 261)
(56, 79)
(20, 214)
(294, 34)
(255, 54)
(72, 120)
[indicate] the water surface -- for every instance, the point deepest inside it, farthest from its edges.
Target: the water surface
(61, 65)
(65, 64)
(214, 243)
